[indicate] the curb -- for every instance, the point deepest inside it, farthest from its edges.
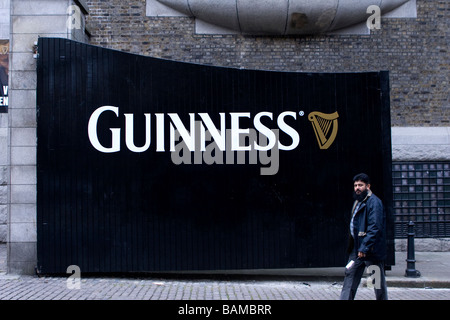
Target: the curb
(421, 282)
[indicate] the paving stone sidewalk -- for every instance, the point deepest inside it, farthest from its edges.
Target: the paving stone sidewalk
(57, 288)
(24, 287)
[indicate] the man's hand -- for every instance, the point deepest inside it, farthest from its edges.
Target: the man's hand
(361, 255)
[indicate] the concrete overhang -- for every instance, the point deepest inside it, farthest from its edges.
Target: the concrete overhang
(281, 17)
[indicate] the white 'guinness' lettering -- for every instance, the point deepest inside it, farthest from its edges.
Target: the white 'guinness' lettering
(188, 135)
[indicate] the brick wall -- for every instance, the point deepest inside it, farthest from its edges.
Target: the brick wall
(415, 51)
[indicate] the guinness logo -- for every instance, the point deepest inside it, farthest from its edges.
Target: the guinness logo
(325, 127)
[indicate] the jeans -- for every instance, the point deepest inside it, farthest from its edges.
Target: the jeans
(353, 278)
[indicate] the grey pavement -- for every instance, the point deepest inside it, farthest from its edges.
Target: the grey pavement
(295, 284)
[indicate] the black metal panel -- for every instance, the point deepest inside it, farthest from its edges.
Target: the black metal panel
(422, 195)
(134, 212)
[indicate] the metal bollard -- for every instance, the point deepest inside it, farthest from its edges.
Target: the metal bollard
(411, 271)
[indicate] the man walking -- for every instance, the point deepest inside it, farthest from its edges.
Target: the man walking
(367, 241)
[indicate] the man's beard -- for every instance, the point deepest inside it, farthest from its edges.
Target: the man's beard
(360, 197)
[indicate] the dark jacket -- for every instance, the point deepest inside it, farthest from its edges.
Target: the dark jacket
(369, 228)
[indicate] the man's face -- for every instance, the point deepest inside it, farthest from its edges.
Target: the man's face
(359, 187)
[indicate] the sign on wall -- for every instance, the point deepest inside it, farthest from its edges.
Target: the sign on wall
(4, 71)
(154, 165)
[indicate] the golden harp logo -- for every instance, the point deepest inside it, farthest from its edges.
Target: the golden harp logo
(325, 127)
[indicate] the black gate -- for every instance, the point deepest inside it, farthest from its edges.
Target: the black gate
(120, 191)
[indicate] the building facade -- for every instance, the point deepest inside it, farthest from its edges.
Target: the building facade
(412, 44)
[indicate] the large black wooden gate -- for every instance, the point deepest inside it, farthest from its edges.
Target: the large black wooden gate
(110, 202)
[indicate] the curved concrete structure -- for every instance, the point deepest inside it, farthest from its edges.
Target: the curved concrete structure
(281, 17)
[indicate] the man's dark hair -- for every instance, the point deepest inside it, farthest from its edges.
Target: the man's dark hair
(362, 177)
